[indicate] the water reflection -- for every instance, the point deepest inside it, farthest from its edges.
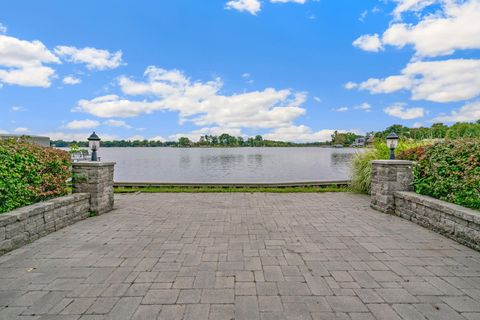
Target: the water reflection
(229, 164)
(341, 159)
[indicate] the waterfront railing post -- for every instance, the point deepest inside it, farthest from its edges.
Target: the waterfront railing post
(95, 178)
(388, 177)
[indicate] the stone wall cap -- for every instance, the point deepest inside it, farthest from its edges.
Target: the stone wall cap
(392, 162)
(93, 164)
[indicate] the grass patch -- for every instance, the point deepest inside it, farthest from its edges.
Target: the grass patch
(213, 189)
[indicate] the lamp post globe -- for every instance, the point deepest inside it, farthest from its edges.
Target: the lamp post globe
(94, 145)
(392, 143)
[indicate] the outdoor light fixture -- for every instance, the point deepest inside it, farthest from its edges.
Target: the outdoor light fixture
(94, 144)
(392, 143)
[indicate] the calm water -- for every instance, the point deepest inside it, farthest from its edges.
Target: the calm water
(229, 164)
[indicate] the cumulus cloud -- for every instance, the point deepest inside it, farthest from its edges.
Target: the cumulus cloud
(399, 110)
(117, 123)
(71, 80)
(457, 28)
(250, 6)
(20, 130)
(364, 106)
(286, 1)
(438, 81)
(198, 102)
(75, 136)
(369, 42)
(3, 28)
(17, 109)
(254, 6)
(300, 133)
(82, 124)
(157, 138)
(467, 113)
(216, 131)
(411, 5)
(23, 62)
(94, 59)
(341, 109)
(350, 85)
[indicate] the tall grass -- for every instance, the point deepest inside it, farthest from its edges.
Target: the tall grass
(361, 176)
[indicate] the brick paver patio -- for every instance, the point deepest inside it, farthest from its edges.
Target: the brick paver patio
(241, 256)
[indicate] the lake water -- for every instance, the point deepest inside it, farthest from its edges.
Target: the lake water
(229, 165)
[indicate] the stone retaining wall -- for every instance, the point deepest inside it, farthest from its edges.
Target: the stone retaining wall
(23, 225)
(456, 222)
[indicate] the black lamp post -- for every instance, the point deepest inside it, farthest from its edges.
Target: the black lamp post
(94, 144)
(392, 143)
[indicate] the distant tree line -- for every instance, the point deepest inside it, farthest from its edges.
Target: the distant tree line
(436, 131)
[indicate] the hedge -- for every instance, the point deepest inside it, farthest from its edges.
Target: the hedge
(448, 171)
(30, 173)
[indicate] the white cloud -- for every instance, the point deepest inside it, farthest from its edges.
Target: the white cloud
(286, 1)
(399, 110)
(17, 109)
(136, 137)
(72, 80)
(20, 130)
(75, 136)
(456, 28)
(364, 106)
(3, 132)
(300, 133)
(82, 124)
(341, 109)
(467, 113)
(3, 28)
(157, 138)
(363, 16)
(317, 99)
(350, 85)
(199, 102)
(251, 6)
(417, 125)
(369, 42)
(22, 62)
(196, 134)
(117, 123)
(95, 59)
(411, 5)
(439, 81)
(254, 6)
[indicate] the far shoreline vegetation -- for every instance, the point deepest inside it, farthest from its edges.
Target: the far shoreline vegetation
(338, 139)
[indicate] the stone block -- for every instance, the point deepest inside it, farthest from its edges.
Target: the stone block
(96, 179)
(389, 176)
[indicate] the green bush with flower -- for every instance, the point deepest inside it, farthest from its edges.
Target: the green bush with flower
(30, 173)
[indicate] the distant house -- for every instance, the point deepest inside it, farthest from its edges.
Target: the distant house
(359, 142)
(41, 141)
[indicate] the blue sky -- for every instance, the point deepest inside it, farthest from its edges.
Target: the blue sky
(288, 69)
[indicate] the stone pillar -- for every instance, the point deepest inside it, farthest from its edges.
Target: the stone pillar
(95, 178)
(389, 176)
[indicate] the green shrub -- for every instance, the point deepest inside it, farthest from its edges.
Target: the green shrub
(30, 173)
(449, 171)
(361, 173)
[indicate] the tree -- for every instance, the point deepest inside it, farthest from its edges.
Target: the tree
(184, 142)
